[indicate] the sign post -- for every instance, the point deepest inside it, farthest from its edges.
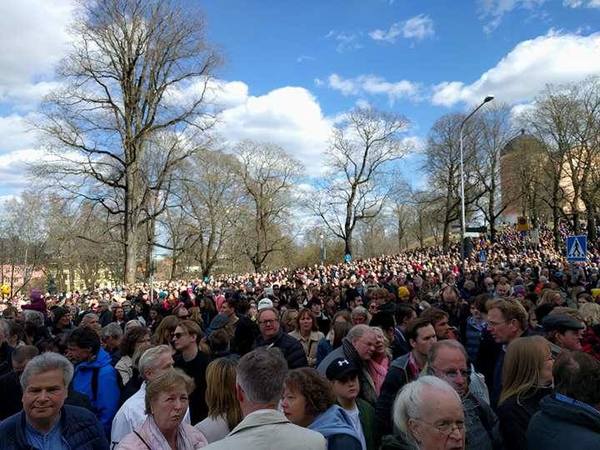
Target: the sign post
(577, 248)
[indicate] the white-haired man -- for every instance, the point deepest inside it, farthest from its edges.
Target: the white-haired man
(430, 416)
(154, 362)
(357, 347)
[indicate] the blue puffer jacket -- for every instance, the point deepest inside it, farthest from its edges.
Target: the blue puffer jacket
(337, 428)
(80, 429)
(105, 400)
(564, 425)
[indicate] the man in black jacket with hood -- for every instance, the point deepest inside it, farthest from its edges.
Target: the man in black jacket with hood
(271, 335)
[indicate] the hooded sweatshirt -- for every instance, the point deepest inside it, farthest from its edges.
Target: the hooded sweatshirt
(337, 428)
(564, 424)
(105, 399)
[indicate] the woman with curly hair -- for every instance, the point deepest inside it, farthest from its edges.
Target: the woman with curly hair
(308, 401)
(134, 337)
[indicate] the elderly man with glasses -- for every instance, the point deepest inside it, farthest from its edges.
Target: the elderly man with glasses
(272, 335)
(448, 360)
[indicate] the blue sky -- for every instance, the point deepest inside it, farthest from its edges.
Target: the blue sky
(291, 67)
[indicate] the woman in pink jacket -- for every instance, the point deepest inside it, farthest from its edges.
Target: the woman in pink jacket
(164, 429)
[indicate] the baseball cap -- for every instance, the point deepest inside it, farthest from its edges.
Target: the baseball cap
(341, 368)
(264, 303)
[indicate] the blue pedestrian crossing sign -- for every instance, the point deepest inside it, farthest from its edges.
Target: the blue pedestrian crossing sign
(577, 248)
(482, 256)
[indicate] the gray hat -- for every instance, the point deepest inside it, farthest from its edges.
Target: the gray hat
(561, 322)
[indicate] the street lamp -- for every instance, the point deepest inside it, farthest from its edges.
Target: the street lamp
(322, 248)
(489, 98)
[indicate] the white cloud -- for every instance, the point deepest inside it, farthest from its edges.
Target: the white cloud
(15, 132)
(289, 116)
(494, 10)
(582, 3)
(14, 165)
(303, 58)
(416, 144)
(417, 28)
(550, 59)
(34, 38)
(374, 85)
(345, 41)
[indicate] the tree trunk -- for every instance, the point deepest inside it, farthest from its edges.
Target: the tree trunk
(150, 233)
(130, 257)
(348, 245)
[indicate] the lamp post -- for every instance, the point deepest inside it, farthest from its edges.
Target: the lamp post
(322, 248)
(462, 181)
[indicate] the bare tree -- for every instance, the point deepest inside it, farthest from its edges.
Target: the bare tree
(24, 240)
(359, 159)
(267, 174)
(494, 131)
(552, 122)
(138, 68)
(212, 197)
(442, 165)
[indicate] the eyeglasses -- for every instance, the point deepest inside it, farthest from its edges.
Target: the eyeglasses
(453, 374)
(495, 324)
(178, 335)
(446, 428)
(267, 322)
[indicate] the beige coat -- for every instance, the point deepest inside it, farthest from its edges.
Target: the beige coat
(309, 345)
(268, 429)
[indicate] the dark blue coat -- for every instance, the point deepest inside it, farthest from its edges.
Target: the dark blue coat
(80, 428)
(563, 426)
(292, 349)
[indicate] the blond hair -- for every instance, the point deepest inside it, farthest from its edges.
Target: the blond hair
(171, 379)
(522, 368)
(590, 312)
(220, 391)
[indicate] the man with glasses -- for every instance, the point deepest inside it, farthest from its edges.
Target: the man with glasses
(193, 362)
(271, 335)
(448, 360)
(507, 321)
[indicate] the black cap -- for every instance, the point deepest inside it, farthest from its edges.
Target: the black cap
(561, 321)
(341, 368)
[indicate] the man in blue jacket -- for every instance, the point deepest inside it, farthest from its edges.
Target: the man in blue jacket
(569, 419)
(94, 375)
(46, 423)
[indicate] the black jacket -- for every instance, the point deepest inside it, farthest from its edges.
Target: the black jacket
(11, 395)
(514, 415)
(563, 426)
(291, 348)
(246, 332)
(80, 428)
(5, 358)
(196, 368)
(397, 376)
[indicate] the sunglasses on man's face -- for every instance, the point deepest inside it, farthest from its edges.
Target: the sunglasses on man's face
(178, 335)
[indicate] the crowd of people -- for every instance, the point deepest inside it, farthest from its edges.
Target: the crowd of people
(412, 351)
